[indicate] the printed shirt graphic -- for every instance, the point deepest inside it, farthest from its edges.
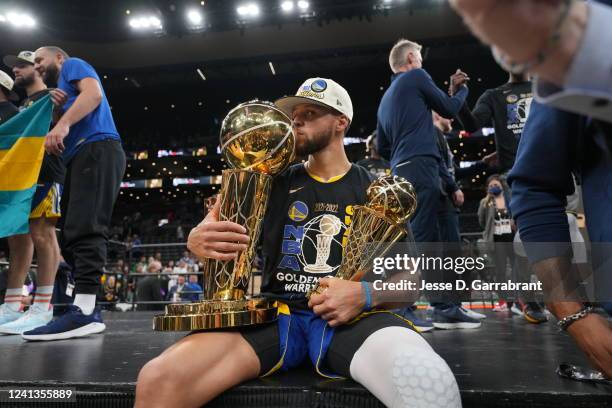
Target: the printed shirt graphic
(506, 108)
(305, 229)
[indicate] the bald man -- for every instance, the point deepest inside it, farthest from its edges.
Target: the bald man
(86, 139)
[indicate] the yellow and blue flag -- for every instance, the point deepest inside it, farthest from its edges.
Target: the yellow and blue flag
(22, 150)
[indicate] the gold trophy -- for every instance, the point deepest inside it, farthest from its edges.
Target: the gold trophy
(257, 142)
(376, 226)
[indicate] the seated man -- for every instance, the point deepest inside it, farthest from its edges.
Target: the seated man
(380, 350)
(193, 288)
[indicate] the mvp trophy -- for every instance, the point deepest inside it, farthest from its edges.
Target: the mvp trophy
(257, 143)
(375, 226)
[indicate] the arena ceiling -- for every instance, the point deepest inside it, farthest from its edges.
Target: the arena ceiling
(99, 31)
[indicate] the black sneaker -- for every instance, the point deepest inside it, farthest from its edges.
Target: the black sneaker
(534, 313)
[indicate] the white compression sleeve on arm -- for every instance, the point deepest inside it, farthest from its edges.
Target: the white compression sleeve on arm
(402, 370)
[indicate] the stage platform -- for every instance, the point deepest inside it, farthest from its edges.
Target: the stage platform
(505, 363)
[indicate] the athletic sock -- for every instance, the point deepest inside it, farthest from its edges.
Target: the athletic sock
(12, 299)
(42, 298)
(87, 303)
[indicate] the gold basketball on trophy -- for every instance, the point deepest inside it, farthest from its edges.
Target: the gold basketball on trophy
(392, 196)
(257, 142)
(257, 136)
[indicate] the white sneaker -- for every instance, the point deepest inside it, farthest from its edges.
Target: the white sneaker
(8, 315)
(516, 309)
(29, 320)
(473, 314)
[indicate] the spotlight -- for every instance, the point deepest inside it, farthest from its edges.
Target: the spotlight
(194, 17)
(145, 22)
(18, 20)
(303, 5)
(248, 10)
(201, 74)
(287, 6)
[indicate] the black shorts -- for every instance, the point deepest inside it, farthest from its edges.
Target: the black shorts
(346, 341)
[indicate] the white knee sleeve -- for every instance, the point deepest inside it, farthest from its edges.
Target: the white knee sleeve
(402, 370)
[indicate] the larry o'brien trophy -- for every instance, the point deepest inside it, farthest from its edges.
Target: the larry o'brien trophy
(375, 226)
(257, 142)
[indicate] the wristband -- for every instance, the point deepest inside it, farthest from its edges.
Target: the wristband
(368, 295)
(564, 323)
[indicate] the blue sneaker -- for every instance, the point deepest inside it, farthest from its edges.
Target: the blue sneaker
(453, 318)
(71, 324)
(421, 324)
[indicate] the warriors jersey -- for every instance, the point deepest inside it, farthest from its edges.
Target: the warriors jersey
(305, 229)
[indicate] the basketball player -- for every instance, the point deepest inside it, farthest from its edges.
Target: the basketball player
(44, 215)
(86, 139)
(308, 211)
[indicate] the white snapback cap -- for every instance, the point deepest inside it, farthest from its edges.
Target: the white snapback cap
(23, 56)
(7, 82)
(319, 91)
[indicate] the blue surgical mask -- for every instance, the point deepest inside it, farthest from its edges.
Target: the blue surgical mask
(495, 190)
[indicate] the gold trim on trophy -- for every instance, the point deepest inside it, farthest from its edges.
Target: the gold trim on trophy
(375, 227)
(257, 142)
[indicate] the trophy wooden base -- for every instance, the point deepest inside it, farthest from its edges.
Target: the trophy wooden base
(215, 314)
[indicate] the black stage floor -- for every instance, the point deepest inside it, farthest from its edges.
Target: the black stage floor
(505, 363)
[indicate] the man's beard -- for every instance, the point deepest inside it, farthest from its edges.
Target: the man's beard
(314, 144)
(25, 81)
(51, 75)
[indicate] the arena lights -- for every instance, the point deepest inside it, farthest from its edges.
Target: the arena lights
(145, 23)
(248, 10)
(195, 18)
(302, 6)
(201, 74)
(287, 6)
(17, 19)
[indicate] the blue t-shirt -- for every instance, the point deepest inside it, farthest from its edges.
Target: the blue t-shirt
(98, 124)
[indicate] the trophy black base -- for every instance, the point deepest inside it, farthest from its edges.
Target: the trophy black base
(215, 314)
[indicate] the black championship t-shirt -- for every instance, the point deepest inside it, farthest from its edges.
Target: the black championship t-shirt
(305, 228)
(52, 169)
(7, 111)
(378, 167)
(506, 108)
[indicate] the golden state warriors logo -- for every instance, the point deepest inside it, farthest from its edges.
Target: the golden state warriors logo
(319, 85)
(511, 98)
(298, 211)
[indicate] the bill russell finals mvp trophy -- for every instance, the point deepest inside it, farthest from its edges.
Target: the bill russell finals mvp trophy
(257, 143)
(376, 226)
